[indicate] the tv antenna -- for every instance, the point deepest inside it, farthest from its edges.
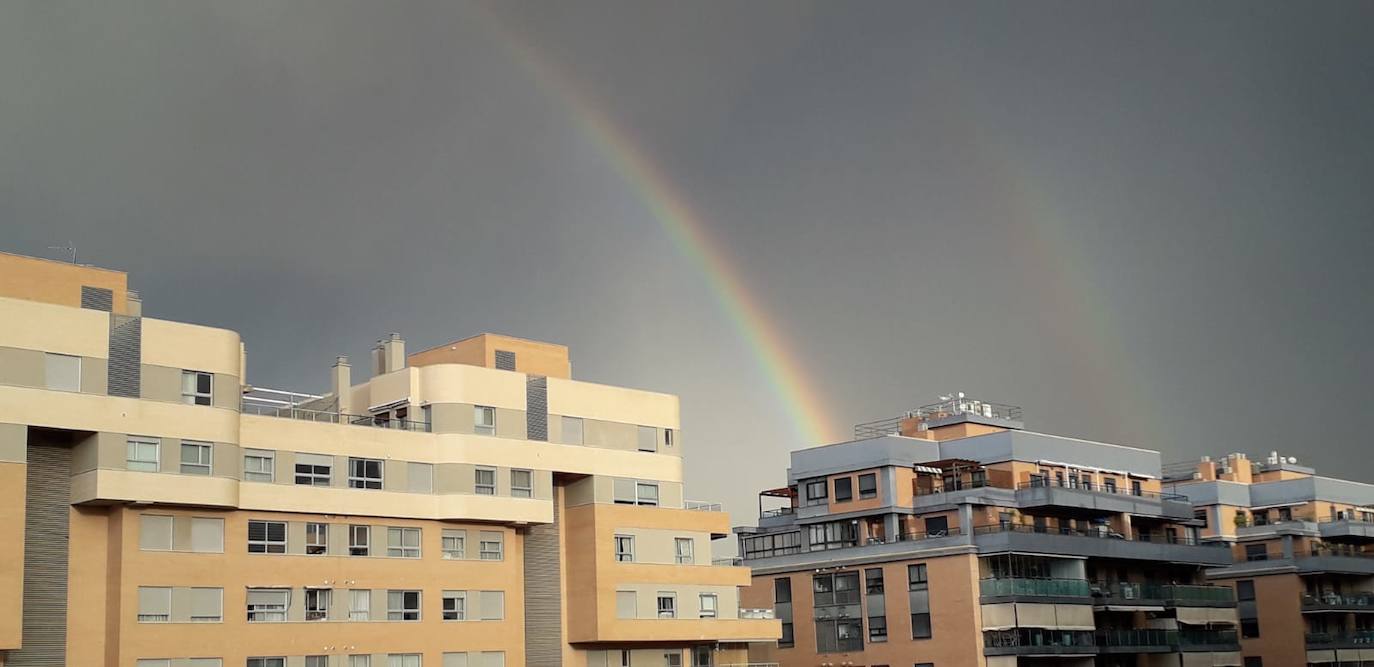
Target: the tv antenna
(70, 247)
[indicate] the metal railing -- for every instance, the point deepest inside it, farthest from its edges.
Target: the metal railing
(1165, 638)
(726, 562)
(914, 537)
(1337, 600)
(701, 506)
(1098, 487)
(1359, 637)
(1038, 637)
(1035, 587)
(1342, 550)
(962, 486)
(327, 417)
(756, 613)
(1103, 533)
(1132, 590)
(781, 511)
(949, 408)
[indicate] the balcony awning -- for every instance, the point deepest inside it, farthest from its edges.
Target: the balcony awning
(780, 492)
(1134, 607)
(1212, 659)
(943, 465)
(1207, 615)
(1005, 616)
(1320, 657)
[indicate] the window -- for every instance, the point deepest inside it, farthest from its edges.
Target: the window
(868, 486)
(1135, 487)
(919, 601)
(259, 465)
(521, 484)
(195, 458)
(625, 548)
(667, 605)
(361, 661)
(359, 540)
(1256, 552)
(403, 605)
(142, 454)
(153, 662)
(154, 604)
(403, 542)
(268, 605)
(1254, 661)
(316, 539)
(453, 544)
(455, 606)
(1246, 609)
(833, 535)
(672, 659)
(484, 420)
(873, 581)
(62, 372)
(420, 477)
(403, 660)
(1285, 514)
(196, 387)
(839, 635)
(626, 604)
(316, 661)
(782, 608)
(844, 489)
(816, 492)
(667, 437)
(155, 532)
(648, 439)
(359, 604)
(207, 535)
(490, 545)
(937, 526)
(1249, 628)
(708, 605)
(485, 481)
(267, 662)
(493, 605)
(364, 473)
(646, 494)
(1110, 484)
(684, 551)
(266, 537)
(916, 576)
(765, 546)
(317, 604)
(313, 469)
(572, 431)
(877, 628)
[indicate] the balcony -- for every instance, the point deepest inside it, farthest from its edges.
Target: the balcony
(1038, 641)
(1335, 558)
(1103, 498)
(1165, 595)
(1361, 602)
(1353, 639)
(1166, 641)
(1000, 538)
(1035, 588)
(1349, 529)
(328, 417)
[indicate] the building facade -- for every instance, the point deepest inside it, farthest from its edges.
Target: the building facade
(470, 505)
(952, 537)
(1303, 547)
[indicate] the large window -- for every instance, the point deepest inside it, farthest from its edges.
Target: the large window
(259, 465)
(266, 662)
(268, 605)
(403, 605)
(197, 387)
(841, 588)
(839, 635)
(403, 660)
(833, 535)
(313, 469)
(648, 439)
(782, 609)
(1246, 609)
(266, 537)
(195, 458)
(625, 548)
(154, 604)
(364, 473)
(844, 489)
(493, 605)
(484, 420)
(142, 453)
(816, 492)
(767, 546)
(403, 542)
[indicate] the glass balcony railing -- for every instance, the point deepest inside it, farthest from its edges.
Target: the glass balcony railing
(1340, 639)
(1177, 639)
(1337, 600)
(1038, 638)
(1021, 587)
(1174, 593)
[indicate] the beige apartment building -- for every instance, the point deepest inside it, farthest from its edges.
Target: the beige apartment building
(953, 537)
(470, 505)
(1303, 547)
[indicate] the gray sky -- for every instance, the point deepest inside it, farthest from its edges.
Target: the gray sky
(1147, 223)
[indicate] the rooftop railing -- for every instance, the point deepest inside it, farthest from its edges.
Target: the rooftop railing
(914, 537)
(327, 417)
(701, 506)
(781, 511)
(1102, 533)
(1097, 487)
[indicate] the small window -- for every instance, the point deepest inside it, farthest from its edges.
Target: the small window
(782, 590)
(873, 581)
(521, 484)
(484, 420)
(359, 604)
(268, 605)
(364, 661)
(259, 465)
(455, 606)
(313, 469)
(317, 604)
(364, 473)
(62, 372)
(485, 481)
(316, 661)
(453, 544)
(403, 605)
(403, 542)
(1135, 487)
(267, 662)
(490, 546)
(142, 454)
(624, 548)
(672, 659)
(403, 660)
(359, 540)
(626, 604)
(155, 532)
(816, 490)
(266, 537)
(493, 605)
(648, 439)
(916, 577)
(708, 605)
(207, 535)
(195, 458)
(572, 431)
(667, 605)
(154, 604)
(868, 486)
(316, 539)
(684, 550)
(196, 387)
(844, 489)
(877, 628)
(646, 494)
(667, 437)
(1245, 590)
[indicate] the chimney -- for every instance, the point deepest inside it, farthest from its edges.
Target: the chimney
(342, 381)
(378, 363)
(393, 353)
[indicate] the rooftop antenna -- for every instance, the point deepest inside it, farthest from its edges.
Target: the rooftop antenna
(70, 247)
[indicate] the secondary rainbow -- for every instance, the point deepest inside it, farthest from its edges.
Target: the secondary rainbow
(796, 392)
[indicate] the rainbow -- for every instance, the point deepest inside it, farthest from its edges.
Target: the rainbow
(687, 229)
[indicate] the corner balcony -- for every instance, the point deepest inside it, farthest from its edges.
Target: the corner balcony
(1038, 642)
(1359, 603)
(1346, 529)
(1002, 538)
(1102, 498)
(1015, 588)
(1165, 595)
(1345, 559)
(1332, 640)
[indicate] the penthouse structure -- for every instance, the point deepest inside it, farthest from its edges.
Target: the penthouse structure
(471, 505)
(953, 537)
(1303, 547)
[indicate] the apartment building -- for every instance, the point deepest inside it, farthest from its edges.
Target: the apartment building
(1303, 549)
(953, 537)
(470, 505)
